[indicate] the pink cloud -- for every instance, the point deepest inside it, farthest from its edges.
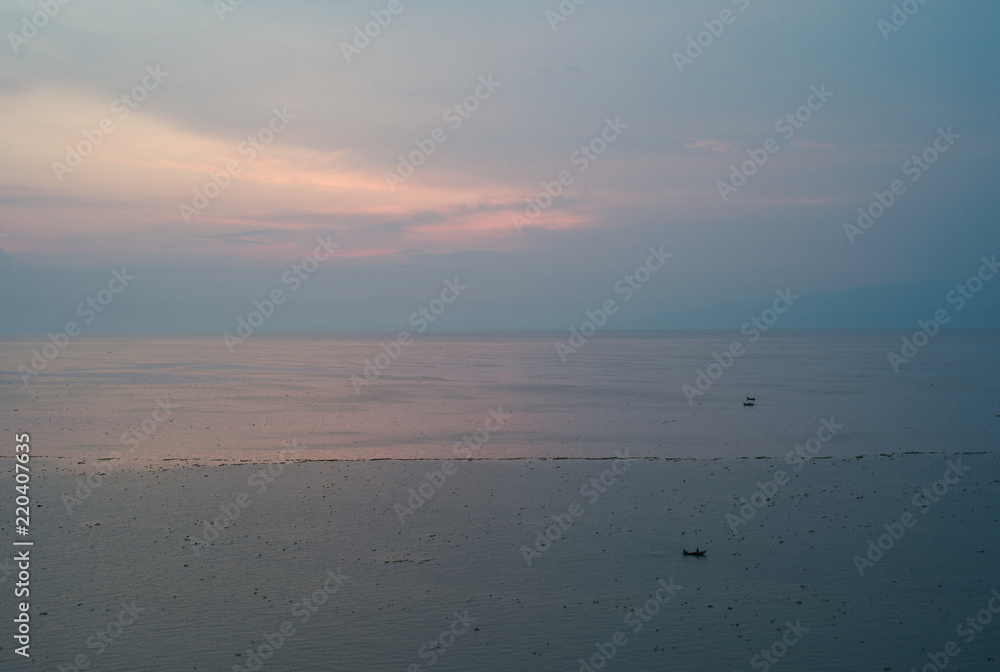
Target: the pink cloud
(713, 144)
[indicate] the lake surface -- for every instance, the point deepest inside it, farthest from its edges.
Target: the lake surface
(216, 540)
(613, 394)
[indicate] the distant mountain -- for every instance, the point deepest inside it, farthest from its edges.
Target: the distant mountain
(868, 307)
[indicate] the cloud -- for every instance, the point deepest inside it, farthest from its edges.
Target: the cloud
(812, 144)
(326, 174)
(712, 144)
(241, 236)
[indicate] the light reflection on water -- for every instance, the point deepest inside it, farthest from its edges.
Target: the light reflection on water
(463, 548)
(614, 393)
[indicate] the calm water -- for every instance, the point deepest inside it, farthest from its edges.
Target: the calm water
(615, 393)
(130, 536)
(462, 550)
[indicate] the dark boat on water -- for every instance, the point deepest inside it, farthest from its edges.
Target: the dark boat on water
(697, 552)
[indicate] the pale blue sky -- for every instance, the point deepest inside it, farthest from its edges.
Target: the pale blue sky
(657, 183)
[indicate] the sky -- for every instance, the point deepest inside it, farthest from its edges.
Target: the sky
(202, 148)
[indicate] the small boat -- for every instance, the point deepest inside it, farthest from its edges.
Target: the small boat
(751, 398)
(697, 552)
(748, 403)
